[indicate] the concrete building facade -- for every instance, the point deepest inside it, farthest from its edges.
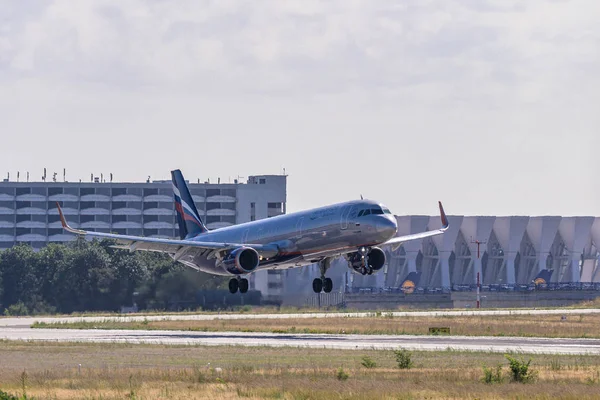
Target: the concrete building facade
(28, 210)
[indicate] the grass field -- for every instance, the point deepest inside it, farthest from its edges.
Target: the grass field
(575, 326)
(117, 371)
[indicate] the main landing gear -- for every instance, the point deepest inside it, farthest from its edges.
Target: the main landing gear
(236, 284)
(323, 284)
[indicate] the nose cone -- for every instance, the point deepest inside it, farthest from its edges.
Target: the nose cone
(387, 226)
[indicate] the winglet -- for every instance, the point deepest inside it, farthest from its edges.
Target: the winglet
(64, 223)
(445, 223)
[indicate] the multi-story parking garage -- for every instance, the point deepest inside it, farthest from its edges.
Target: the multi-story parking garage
(28, 210)
(512, 251)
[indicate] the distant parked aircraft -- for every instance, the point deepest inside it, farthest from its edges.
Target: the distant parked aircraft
(355, 230)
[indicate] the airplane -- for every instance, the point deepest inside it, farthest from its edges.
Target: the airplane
(355, 230)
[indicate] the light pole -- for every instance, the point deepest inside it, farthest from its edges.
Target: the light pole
(478, 243)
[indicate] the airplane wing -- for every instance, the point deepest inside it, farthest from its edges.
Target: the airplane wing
(398, 240)
(173, 246)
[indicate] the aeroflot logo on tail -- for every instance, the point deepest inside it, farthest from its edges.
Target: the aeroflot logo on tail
(184, 208)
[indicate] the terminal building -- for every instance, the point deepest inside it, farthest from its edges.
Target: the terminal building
(508, 253)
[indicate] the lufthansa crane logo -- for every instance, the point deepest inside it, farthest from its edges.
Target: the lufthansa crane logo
(408, 286)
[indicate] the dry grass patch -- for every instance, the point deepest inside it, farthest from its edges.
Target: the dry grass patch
(111, 371)
(575, 326)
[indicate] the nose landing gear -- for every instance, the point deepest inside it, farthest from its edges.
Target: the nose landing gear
(236, 284)
(323, 283)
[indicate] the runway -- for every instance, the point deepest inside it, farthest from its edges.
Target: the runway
(28, 321)
(350, 342)
(19, 329)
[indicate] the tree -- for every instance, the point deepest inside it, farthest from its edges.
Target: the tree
(19, 279)
(129, 270)
(85, 275)
(50, 260)
(82, 282)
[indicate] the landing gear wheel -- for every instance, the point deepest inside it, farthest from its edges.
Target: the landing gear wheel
(317, 285)
(327, 285)
(243, 285)
(233, 285)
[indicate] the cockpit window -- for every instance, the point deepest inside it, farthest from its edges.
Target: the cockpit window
(374, 211)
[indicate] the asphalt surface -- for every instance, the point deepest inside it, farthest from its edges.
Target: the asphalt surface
(19, 329)
(28, 321)
(351, 342)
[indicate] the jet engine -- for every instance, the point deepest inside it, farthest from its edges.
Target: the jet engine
(240, 261)
(375, 258)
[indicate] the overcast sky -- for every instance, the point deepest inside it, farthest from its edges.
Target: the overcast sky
(491, 106)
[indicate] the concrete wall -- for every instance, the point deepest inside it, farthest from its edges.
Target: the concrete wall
(382, 301)
(523, 299)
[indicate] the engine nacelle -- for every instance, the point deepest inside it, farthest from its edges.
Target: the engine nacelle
(242, 260)
(375, 258)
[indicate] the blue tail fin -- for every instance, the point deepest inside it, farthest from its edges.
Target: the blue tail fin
(190, 224)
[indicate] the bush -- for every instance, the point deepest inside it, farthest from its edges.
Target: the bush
(7, 396)
(245, 309)
(42, 308)
(403, 358)
(519, 370)
(492, 375)
(16, 310)
(368, 362)
(341, 375)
